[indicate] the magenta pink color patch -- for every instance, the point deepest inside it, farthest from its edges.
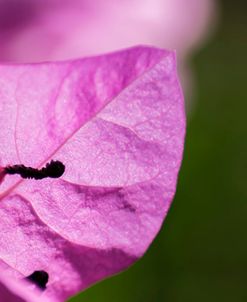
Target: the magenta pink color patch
(117, 123)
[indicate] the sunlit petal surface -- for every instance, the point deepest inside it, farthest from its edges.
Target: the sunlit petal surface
(117, 123)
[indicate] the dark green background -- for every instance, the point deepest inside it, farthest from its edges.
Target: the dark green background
(201, 252)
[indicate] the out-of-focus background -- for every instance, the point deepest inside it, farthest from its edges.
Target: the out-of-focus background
(201, 251)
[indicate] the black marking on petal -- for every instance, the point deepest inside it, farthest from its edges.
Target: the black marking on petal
(39, 278)
(54, 169)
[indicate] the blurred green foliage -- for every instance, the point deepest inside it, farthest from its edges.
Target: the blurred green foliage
(201, 251)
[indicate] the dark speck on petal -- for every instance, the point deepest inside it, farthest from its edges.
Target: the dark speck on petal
(39, 278)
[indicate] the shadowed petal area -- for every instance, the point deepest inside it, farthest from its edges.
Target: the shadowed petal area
(12, 290)
(117, 124)
(29, 244)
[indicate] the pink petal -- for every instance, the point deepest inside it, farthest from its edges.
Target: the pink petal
(12, 290)
(32, 30)
(117, 123)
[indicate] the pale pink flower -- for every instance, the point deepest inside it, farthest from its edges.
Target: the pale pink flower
(32, 30)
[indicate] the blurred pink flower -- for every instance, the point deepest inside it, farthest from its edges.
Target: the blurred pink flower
(32, 30)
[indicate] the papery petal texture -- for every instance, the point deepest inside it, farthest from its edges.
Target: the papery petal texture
(117, 123)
